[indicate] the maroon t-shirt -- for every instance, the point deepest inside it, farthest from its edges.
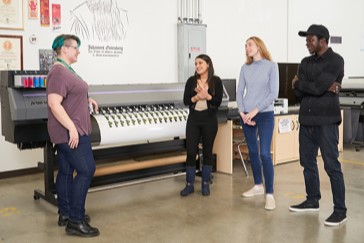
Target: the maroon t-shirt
(74, 91)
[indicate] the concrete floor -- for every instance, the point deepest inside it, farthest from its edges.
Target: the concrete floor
(154, 211)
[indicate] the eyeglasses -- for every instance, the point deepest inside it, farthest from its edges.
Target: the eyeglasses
(74, 47)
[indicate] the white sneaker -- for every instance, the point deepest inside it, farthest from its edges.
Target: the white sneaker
(254, 191)
(270, 203)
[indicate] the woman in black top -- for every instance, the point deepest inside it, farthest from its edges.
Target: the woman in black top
(203, 94)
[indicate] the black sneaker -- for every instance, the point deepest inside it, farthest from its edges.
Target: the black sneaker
(336, 219)
(306, 206)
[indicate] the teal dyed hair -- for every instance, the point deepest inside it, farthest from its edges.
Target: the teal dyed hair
(59, 41)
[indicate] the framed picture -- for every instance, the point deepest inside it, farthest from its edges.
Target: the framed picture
(11, 52)
(11, 14)
(47, 57)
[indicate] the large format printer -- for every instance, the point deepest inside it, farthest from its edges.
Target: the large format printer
(352, 101)
(142, 125)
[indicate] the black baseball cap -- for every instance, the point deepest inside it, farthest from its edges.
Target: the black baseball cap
(315, 29)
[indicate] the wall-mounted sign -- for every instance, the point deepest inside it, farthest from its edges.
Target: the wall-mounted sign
(11, 52)
(11, 14)
(33, 39)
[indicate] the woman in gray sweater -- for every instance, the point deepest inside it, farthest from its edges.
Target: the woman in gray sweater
(257, 89)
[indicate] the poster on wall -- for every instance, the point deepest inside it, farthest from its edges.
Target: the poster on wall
(11, 14)
(46, 59)
(102, 25)
(11, 52)
(56, 17)
(32, 9)
(44, 13)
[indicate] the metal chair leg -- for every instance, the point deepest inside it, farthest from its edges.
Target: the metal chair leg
(242, 159)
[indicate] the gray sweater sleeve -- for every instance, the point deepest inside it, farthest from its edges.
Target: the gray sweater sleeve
(240, 91)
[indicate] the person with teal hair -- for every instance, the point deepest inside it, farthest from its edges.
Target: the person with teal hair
(69, 126)
(59, 41)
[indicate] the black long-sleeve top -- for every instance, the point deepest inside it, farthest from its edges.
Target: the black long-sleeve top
(216, 92)
(315, 75)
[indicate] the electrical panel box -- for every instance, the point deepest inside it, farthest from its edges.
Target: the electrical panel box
(191, 43)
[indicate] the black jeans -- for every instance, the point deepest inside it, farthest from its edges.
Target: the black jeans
(201, 125)
(325, 137)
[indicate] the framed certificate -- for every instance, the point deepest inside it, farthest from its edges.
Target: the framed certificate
(11, 52)
(11, 14)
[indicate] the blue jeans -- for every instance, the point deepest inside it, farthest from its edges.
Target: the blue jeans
(72, 191)
(260, 154)
(326, 138)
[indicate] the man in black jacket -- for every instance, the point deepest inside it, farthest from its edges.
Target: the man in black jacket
(317, 84)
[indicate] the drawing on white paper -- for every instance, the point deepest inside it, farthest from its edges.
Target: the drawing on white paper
(101, 20)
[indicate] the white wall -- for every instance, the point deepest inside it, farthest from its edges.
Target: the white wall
(150, 54)
(342, 18)
(231, 23)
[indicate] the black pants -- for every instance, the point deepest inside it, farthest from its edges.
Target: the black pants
(201, 126)
(325, 137)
